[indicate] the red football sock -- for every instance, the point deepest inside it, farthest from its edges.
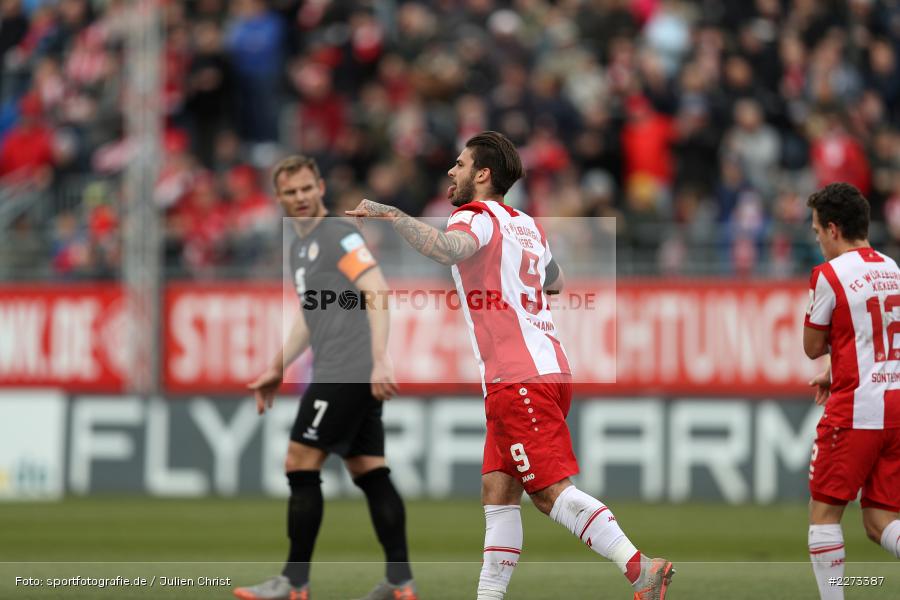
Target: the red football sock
(633, 568)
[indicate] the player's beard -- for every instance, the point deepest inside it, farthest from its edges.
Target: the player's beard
(464, 192)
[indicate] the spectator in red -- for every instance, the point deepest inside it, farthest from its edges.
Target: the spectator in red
(26, 154)
(837, 156)
(252, 211)
(646, 141)
(178, 170)
(69, 245)
(203, 223)
(253, 217)
(102, 222)
(323, 112)
(88, 60)
(393, 73)
(545, 157)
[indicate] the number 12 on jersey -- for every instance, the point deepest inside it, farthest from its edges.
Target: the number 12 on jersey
(873, 305)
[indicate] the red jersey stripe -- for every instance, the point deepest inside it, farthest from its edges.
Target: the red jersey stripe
(461, 227)
(869, 255)
(560, 355)
(844, 365)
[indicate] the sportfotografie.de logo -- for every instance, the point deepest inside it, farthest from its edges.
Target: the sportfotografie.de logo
(442, 299)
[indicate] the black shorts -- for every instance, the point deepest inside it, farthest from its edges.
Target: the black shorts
(340, 418)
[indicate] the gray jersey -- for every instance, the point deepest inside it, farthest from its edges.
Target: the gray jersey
(324, 266)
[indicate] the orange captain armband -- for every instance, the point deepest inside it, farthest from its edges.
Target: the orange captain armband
(355, 263)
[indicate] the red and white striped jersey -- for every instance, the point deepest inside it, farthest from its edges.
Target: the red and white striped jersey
(509, 318)
(856, 297)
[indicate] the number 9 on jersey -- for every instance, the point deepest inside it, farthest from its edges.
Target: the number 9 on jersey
(518, 454)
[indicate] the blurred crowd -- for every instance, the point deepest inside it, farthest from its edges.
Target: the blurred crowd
(701, 126)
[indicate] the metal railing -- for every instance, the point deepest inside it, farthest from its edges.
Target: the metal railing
(660, 249)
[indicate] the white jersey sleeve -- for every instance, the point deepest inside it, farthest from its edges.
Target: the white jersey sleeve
(476, 224)
(821, 301)
(547, 255)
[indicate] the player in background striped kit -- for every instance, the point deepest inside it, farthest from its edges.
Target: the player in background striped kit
(853, 315)
(502, 267)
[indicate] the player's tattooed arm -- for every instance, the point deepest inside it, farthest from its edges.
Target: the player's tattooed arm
(445, 247)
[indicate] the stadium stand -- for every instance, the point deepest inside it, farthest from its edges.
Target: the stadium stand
(701, 125)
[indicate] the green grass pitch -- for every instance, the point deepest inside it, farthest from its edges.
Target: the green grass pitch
(744, 552)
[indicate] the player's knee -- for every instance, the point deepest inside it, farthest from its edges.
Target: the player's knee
(303, 458)
(497, 488)
(360, 466)
(298, 480)
(542, 502)
(544, 499)
(873, 529)
(368, 478)
(501, 499)
(873, 532)
(293, 461)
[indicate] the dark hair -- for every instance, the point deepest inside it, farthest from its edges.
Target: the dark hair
(845, 206)
(291, 165)
(494, 151)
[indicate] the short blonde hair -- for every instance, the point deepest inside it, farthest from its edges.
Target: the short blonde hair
(291, 165)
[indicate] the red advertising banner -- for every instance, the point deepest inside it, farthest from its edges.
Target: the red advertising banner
(704, 337)
(62, 336)
(219, 337)
(644, 337)
(712, 337)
